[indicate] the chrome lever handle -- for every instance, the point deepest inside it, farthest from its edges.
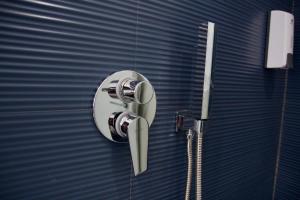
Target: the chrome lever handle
(137, 130)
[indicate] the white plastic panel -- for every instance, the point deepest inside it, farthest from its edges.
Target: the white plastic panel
(281, 39)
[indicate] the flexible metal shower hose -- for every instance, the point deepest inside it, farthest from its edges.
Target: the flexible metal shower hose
(190, 164)
(199, 167)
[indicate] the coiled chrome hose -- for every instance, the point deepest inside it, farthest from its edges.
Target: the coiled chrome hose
(199, 166)
(189, 138)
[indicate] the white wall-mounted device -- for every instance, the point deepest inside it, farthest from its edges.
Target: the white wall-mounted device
(280, 40)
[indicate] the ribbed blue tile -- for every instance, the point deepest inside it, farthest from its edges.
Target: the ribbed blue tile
(60, 155)
(53, 56)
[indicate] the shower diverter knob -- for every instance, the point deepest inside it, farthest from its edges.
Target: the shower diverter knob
(135, 128)
(129, 90)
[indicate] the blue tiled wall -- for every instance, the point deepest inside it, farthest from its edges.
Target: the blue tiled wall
(54, 54)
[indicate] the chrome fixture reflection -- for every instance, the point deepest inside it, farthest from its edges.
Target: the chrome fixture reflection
(129, 90)
(124, 108)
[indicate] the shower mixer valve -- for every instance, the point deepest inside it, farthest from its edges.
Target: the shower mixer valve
(124, 108)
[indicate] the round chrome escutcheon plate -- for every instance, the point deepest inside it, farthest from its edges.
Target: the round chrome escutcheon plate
(104, 105)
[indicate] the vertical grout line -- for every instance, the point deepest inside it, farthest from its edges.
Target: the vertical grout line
(280, 130)
(135, 51)
(280, 135)
(130, 184)
(279, 145)
(136, 31)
